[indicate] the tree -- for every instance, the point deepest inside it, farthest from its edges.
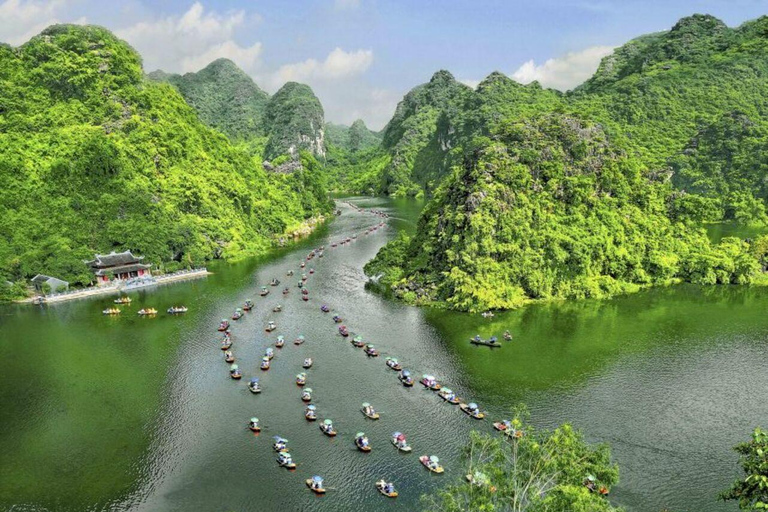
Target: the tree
(752, 490)
(531, 470)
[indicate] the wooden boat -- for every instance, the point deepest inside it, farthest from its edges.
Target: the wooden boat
(406, 379)
(368, 411)
(274, 282)
(284, 460)
(486, 343)
(318, 488)
(253, 386)
(431, 463)
(237, 315)
(286, 291)
(337, 319)
(111, 311)
(301, 379)
(324, 308)
(280, 342)
(269, 353)
(358, 341)
(264, 291)
(223, 325)
(265, 363)
(307, 363)
(327, 428)
(310, 413)
(371, 351)
(177, 310)
(404, 447)
(343, 331)
(507, 336)
(472, 410)
(280, 444)
(311, 271)
(299, 340)
(226, 343)
(277, 308)
(229, 357)
(361, 441)
(148, 311)
(305, 297)
(235, 373)
(248, 305)
(306, 395)
(303, 264)
(449, 396)
(122, 300)
(381, 486)
(271, 326)
(394, 364)
(429, 382)
(254, 425)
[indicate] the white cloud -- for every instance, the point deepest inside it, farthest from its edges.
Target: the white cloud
(22, 19)
(563, 73)
(338, 64)
(189, 41)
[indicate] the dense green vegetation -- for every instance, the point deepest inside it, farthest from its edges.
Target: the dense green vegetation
(354, 138)
(295, 122)
(751, 492)
(540, 471)
(539, 194)
(224, 96)
(94, 157)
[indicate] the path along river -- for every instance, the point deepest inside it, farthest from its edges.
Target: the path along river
(131, 413)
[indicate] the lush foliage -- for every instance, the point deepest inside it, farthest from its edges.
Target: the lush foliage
(295, 122)
(224, 96)
(541, 471)
(352, 138)
(547, 209)
(94, 158)
(752, 491)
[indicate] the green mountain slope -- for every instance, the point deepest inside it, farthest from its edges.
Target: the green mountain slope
(295, 121)
(224, 96)
(93, 157)
(354, 138)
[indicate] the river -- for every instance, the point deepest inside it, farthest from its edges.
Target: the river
(131, 413)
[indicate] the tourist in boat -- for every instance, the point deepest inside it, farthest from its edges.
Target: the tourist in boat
(299, 340)
(306, 394)
(507, 336)
(148, 311)
(327, 427)
(406, 379)
(337, 319)
(237, 314)
(430, 382)
(254, 385)
(398, 439)
(264, 291)
(274, 282)
(371, 351)
(394, 364)
(305, 297)
(269, 353)
(432, 463)
(285, 460)
(254, 425)
(316, 484)
(301, 284)
(235, 372)
(362, 443)
(286, 291)
(280, 445)
(122, 300)
(280, 342)
(386, 488)
(311, 271)
(224, 324)
(265, 363)
(358, 341)
(277, 308)
(324, 308)
(303, 277)
(448, 395)
(310, 413)
(472, 410)
(248, 305)
(303, 264)
(226, 343)
(229, 356)
(111, 311)
(343, 331)
(271, 326)
(301, 379)
(307, 362)
(369, 411)
(590, 483)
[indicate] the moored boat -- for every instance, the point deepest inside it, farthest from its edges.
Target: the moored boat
(394, 364)
(431, 463)
(315, 484)
(177, 310)
(253, 424)
(111, 311)
(362, 443)
(399, 442)
(307, 363)
(472, 410)
(122, 300)
(310, 413)
(254, 386)
(369, 411)
(386, 488)
(491, 342)
(147, 311)
(327, 427)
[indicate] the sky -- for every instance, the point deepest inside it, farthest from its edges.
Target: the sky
(362, 56)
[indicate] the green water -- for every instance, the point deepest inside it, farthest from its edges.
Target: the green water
(134, 413)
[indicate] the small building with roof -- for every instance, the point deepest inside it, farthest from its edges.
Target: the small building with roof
(53, 284)
(117, 266)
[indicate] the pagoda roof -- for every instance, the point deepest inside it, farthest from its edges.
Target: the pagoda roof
(114, 259)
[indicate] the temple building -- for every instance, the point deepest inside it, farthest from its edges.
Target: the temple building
(117, 265)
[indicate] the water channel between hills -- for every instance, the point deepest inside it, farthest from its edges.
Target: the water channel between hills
(133, 413)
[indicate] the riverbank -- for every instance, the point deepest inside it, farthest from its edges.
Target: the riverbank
(118, 288)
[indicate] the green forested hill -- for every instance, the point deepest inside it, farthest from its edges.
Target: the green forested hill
(295, 122)
(94, 157)
(224, 96)
(354, 138)
(542, 194)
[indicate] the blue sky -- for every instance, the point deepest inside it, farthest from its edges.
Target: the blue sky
(361, 56)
